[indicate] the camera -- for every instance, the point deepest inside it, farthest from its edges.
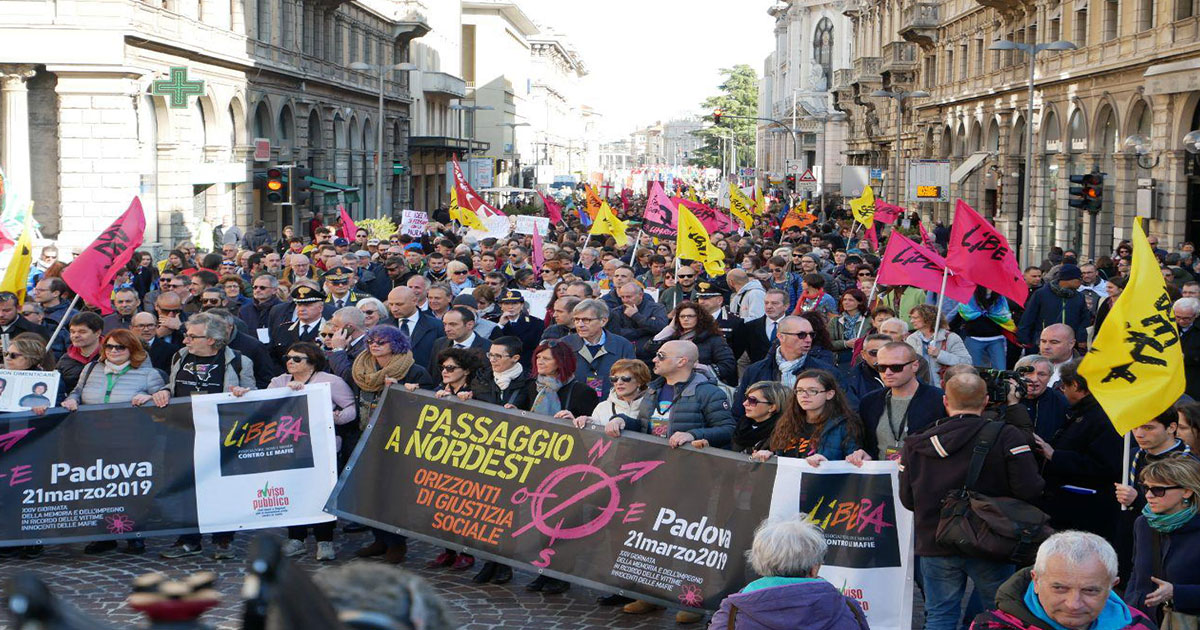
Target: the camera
(998, 382)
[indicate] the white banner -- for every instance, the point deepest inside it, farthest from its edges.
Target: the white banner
(21, 390)
(870, 534)
(538, 301)
(525, 225)
(414, 222)
(264, 465)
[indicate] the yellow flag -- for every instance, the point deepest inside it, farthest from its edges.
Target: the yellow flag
(470, 220)
(454, 211)
(740, 206)
(691, 195)
(18, 268)
(864, 208)
(608, 223)
(694, 243)
(761, 198)
(1135, 366)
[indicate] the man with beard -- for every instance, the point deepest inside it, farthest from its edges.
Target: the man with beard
(1058, 302)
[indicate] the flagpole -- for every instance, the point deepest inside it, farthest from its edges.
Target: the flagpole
(937, 321)
(1125, 467)
(63, 321)
(867, 310)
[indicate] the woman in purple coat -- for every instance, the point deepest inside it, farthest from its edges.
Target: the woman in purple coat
(788, 552)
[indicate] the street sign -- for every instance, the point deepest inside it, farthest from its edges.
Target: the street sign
(262, 149)
(806, 182)
(929, 181)
(794, 167)
(876, 174)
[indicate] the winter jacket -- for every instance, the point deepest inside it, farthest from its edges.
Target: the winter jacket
(1011, 613)
(640, 327)
(255, 238)
(952, 351)
(935, 461)
(925, 409)
(860, 380)
(674, 295)
(700, 408)
(1087, 454)
(256, 315)
(791, 284)
(747, 303)
(768, 370)
(93, 383)
(714, 352)
(592, 370)
(818, 603)
(1180, 552)
(1052, 304)
(1048, 412)
(70, 365)
(516, 394)
(239, 371)
(837, 332)
(833, 444)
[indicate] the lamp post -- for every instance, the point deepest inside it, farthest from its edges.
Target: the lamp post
(900, 96)
(513, 127)
(1032, 51)
(474, 125)
(824, 118)
(382, 70)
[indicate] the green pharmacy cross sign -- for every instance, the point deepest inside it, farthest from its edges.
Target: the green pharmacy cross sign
(178, 88)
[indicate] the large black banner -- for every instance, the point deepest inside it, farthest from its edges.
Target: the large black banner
(628, 514)
(208, 463)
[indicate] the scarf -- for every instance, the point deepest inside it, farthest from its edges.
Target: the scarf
(1167, 523)
(115, 368)
(787, 369)
(546, 402)
(810, 301)
(1114, 616)
(748, 434)
(505, 378)
(850, 326)
(369, 376)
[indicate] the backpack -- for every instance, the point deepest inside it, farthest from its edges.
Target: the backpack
(1001, 529)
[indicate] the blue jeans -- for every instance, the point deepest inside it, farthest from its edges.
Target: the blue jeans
(988, 354)
(945, 582)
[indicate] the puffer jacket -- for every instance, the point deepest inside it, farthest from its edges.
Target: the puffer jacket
(701, 408)
(94, 382)
(817, 602)
(1011, 613)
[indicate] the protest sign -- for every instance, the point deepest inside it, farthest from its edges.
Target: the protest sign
(414, 222)
(21, 390)
(525, 224)
(210, 463)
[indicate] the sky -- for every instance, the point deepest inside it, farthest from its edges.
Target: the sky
(652, 60)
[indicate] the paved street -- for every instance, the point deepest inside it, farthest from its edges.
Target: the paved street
(99, 584)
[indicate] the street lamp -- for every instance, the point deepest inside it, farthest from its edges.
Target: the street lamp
(474, 124)
(513, 127)
(900, 96)
(824, 118)
(382, 70)
(1032, 50)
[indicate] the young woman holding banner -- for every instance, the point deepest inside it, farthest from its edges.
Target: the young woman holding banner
(818, 425)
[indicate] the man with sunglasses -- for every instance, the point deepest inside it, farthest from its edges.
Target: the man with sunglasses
(786, 359)
(264, 296)
(905, 407)
(684, 289)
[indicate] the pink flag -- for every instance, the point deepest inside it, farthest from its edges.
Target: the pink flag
(661, 218)
(538, 256)
(886, 212)
(348, 228)
(873, 238)
(553, 210)
(6, 240)
(981, 254)
(714, 220)
(907, 264)
(91, 273)
(925, 235)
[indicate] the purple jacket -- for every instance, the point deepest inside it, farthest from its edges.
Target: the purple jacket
(812, 605)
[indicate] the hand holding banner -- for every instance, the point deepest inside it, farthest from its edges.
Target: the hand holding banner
(91, 274)
(981, 254)
(907, 264)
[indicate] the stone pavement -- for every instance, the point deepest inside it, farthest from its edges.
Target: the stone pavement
(99, 584)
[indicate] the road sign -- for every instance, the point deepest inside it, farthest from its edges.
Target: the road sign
(794, 167)
(807, 181)
(876, 174)
(262, 149)
(929, 181)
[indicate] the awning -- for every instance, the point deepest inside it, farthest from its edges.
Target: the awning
(969, 166)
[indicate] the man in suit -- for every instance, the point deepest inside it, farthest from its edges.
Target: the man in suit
(309, 317)
(1189, 339)
(763, 332)
(339, 287)
(459, 324)
(421, 328)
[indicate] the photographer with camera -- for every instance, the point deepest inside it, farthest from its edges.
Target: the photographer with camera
(1047, 407)
(1004, 390)
(1081, 461)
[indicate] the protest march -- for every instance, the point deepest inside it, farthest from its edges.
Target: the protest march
(722, 402)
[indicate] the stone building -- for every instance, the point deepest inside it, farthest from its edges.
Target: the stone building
(82, 133)
(1134, 71)
(812, 44)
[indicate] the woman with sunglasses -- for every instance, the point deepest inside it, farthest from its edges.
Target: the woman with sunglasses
(629, 379)
(459, 277)
(694, 323)
(1165, 580)
(305, 363)
(764, 404)
(818, 425)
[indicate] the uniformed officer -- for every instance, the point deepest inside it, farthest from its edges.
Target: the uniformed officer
(515, 321)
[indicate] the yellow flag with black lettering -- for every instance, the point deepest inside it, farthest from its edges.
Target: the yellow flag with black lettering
(1135, 365)
(694, 243)
(608, 223)
(740, 206)
(470, 220)
(864, 208)
(454, 210)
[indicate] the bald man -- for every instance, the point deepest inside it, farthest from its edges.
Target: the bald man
(1057, 343)
(935, 461)
(420, 327)
(683, 404)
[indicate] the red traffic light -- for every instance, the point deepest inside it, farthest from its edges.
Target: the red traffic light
(717, 113)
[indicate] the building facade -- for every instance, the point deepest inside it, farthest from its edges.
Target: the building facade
(563, 133)
(812, 44)
(1131, 80)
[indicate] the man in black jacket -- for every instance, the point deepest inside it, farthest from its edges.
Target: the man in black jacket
(507, 379)
(265, 368)
(935, 461)
(712, 299)
(904, 407)
(1189, 339)
(11, 321)
(265, 293)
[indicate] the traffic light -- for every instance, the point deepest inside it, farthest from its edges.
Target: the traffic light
(717, 113)
(1089, 194)
(791, 182)
(276, 186)
(298, 181)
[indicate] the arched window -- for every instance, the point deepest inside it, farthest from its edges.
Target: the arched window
(823, 47)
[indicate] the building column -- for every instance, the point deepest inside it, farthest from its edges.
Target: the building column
(14, 152)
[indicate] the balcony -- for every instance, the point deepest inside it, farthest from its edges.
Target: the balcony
(919, 22)
(867, 70)
(1004, 6)
(899, 57)
(443, 83)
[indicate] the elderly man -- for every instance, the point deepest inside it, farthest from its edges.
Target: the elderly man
(299, 266)
(1057, 344)
(762, 333)
(596, 350)
(1189, 339)
(935, 460)
(421, 328)
(1047, 407)
(748, 295)
(638, 318)
(339, 287)
(1068, 587)
(439, 298)
(788, 359)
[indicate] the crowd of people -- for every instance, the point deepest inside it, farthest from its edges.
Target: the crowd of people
(793, 352)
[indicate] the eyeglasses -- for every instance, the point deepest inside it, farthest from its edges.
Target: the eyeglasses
(212, 301)
(450, 368)
(658, 356)
(292, 358)
(685, 275)
(622, 379)
(584, 320)
(378, 342)
(458, 273)
(809, 391)
(369, 311)
(751, 401)
(865, 274)
(114, 347)
(339, 283)
(881, 368)
(326, 334)
(169, 311)
(13, 355)
(178, 285)
(151, 325)
(497, 357)
(1160, 491)
(798, 335)
(190, 336)
(264, 287)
